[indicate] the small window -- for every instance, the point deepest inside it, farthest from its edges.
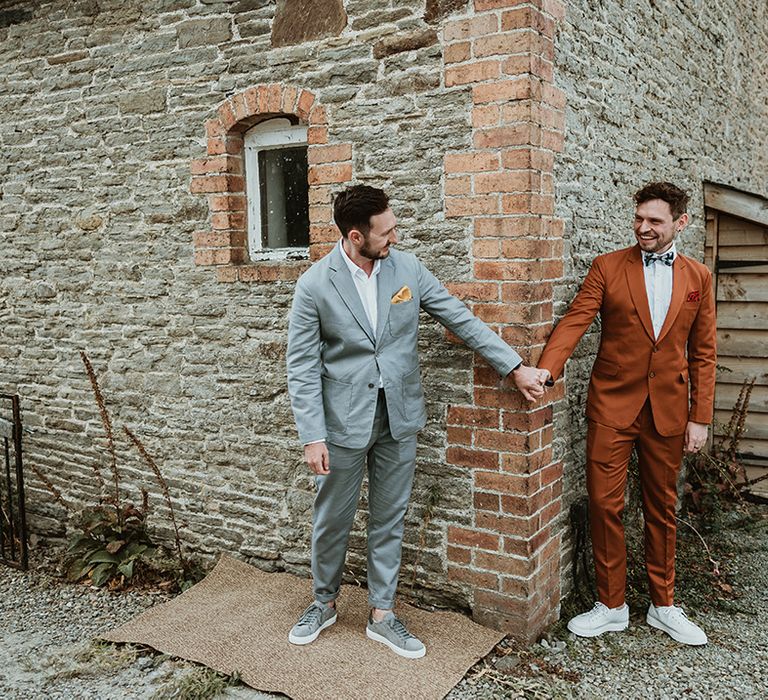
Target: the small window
(277, 189)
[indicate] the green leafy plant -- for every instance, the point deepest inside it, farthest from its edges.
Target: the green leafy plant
(108, 544)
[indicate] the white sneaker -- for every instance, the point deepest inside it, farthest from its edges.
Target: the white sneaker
(673, 621)
(600, 619)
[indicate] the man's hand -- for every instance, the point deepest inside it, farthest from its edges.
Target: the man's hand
(695, 436)
(530, 381)
(316, 457)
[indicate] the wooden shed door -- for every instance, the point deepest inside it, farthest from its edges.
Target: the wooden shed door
(737, 252)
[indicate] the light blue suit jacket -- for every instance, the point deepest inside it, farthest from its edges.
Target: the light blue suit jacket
(335, 357)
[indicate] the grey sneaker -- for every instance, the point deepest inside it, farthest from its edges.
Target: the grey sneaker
(313, 620)
(392, 632)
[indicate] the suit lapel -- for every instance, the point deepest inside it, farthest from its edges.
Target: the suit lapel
(679, 285)
(342, 281)
(384, 294)
(636, 282)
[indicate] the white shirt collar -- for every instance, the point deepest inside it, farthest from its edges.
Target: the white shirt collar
(356, 269)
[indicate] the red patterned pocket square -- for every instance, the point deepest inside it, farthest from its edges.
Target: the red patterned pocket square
(694, 296)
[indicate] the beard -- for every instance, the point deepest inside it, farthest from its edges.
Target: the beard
(367, 251)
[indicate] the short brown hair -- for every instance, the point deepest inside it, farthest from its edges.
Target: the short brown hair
(354, 207)
(667, 192)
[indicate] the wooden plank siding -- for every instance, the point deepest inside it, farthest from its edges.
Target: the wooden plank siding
(736, 250)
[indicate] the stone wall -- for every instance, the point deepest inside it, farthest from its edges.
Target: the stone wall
(671, 90)
(122, 121)
(105, 107)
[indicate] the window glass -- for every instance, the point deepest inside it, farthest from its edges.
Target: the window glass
(277, 189)
(284, 197)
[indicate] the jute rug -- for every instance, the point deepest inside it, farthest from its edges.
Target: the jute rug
(237, 620)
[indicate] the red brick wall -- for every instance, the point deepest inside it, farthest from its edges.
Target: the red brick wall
(509, 558)
(220, 176)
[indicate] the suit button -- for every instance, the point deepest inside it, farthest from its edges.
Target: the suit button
(651, 374)
(370, 386)
(655, 349)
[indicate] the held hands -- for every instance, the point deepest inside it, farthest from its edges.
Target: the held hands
(316, 457)
(530, 381)
(695, 436)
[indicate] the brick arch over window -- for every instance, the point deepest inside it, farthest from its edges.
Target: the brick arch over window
(220, 176)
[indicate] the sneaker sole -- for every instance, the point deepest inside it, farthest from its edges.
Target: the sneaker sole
(596, 632)
(659, 625)
(417, 654)
(300, 641)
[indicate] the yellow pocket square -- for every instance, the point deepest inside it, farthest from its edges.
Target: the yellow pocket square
(403, 294)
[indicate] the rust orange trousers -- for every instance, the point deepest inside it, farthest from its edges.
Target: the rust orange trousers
(608, 453)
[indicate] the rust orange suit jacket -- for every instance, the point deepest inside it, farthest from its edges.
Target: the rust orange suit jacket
(631, 365)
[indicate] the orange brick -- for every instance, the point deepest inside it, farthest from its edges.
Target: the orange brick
(460, 555)
(477, 459)
(520, 181)
(486, 248)
(320, 214)
(501, 440)
(470, 162)
(219, 256)
(527, 292)
(507, 524)
(458, 436)
(210, 239)
(503, 564)
(474, 291)
(470, 206)
(228, 273)
(306, 100)
(504, 483)
(526, 464)
(455, 53)
(494, 313)
(482, 5)
(214, 128)
(239, 108)
(473, 417)
(226, 202)
(528, 17)
(228, 220)
(487, 501)
(458, 185)
(520, 134)
(476, 579)
(274, 97)
(532, 420)
(323, 233)
(251, 97)
(317, 116)
(226, 115)
(472, 538)
(319, 250)
(217, 183)
(467, 28)
(329, 154)
(327, 174)
(288, 104)
(503, 44)
(485, 115)
(477, 72)
(317, 134)
(503, 91)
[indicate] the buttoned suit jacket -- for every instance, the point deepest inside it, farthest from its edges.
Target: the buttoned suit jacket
(676, 370)
(335, 358)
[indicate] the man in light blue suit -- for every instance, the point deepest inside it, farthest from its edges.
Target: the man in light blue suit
(356, 394)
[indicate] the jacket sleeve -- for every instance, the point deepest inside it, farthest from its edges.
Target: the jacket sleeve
(456, 317)
(305, 386)
(576, 321)
(702, 355)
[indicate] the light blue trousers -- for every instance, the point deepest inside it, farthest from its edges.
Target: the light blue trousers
(390, 478)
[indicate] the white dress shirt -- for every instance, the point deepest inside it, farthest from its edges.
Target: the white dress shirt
(658, 286)
(367, 287)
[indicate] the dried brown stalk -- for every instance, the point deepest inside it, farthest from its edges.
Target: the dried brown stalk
(47, 482)
(163, 486)
(106, 421)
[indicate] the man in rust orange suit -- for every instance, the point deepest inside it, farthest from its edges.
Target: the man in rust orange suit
(652, 388)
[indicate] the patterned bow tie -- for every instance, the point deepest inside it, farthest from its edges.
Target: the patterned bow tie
(666, 258)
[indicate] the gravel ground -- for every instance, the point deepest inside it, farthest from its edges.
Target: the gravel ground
(47, 649)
